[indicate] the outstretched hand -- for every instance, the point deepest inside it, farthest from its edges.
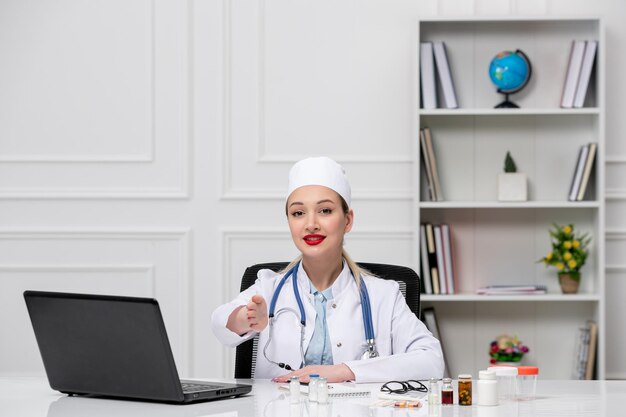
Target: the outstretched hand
(257, 313)
(332, 373)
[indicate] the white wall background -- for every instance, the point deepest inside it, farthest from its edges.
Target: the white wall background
(144, 146)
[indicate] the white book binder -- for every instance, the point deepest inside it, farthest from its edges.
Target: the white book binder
(441, 263)
(578, 173)
(573, 73)
(591, 156)
(427, 76)
(445, 76)
(585, 73)
(426, 279)
(447, 249)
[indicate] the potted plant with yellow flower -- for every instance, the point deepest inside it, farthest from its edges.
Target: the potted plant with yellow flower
(569, 253)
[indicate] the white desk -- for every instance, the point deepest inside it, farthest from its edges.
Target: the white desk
(32, 397)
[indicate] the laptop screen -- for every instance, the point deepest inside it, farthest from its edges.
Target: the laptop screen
(104, 345)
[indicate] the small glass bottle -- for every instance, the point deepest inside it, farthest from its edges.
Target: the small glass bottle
(434, 397)
(313, 379)
(294, 390)
(447, 392)
(322, 391)
(465, 389)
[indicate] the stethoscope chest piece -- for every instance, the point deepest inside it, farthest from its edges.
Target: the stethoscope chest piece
(371, 351)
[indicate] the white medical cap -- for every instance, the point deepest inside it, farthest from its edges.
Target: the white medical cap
(320, 171)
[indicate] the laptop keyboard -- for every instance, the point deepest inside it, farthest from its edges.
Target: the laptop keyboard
(191, 387)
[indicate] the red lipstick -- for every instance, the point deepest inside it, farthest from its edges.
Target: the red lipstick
(313, 240)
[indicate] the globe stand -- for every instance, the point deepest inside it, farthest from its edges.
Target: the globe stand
(506, 104)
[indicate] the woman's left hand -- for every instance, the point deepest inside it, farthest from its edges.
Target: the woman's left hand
(332, 373)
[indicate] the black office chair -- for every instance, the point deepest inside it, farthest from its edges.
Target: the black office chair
(409, 281)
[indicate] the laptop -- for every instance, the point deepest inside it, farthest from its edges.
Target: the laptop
(112, 346)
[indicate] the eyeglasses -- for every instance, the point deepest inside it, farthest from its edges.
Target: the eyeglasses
(402, 387)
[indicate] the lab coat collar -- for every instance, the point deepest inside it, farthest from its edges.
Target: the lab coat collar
(343, 280)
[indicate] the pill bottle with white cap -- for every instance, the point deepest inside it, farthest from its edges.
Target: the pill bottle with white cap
(487, 388)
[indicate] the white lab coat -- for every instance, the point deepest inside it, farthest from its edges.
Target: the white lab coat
(407, 349)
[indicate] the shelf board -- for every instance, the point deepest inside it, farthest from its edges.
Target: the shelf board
(502, 204)
(509, 112)
(487, 298)
(513, 19)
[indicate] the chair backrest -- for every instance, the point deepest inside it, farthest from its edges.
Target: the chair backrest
(409, 281)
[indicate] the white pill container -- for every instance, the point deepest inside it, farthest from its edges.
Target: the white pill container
(507, 382)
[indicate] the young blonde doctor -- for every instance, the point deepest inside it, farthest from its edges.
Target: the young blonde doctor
(322, 314)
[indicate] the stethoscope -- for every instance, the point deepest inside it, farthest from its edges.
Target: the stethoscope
(366, 310)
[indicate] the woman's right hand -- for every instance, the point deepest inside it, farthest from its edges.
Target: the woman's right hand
(257, 313)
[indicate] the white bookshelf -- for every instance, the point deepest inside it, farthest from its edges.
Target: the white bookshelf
(497, 242)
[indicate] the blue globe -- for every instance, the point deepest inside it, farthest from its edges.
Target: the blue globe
(509, 71)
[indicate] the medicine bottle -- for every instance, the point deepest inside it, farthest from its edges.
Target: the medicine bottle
(506, 377)
(433, 392)
(487, 388)
(322, 391)
(465, 389)
(447, 392)
(313, 378)
(294, 390)
(527, 382)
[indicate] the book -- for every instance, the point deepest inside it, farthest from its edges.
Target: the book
(427, 76)
(447, 250)
(441, 264)
(336, 390)
(432, 258)
(591, 156)
(577, 52)
(433, 163)
(592, 327)
(430, 321)
(428, 287)
(578, 173)
(580, 354)
(585, 73)
(512, 290)
(445, 76)
(427, 168)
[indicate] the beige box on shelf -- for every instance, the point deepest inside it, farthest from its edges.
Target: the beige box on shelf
(512, 187)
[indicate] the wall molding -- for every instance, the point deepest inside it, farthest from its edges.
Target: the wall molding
(262, 157)
(149, 159)
(149, 140)
(615, 194)
(373, 194)
(615, 234)
(108, 193)
(181, 235)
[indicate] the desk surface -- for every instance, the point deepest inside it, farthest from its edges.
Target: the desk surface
(32, 397)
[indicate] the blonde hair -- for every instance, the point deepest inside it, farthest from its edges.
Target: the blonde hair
(357, 271)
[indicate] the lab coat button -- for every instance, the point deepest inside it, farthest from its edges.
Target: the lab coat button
(334, 305)
(339, 344)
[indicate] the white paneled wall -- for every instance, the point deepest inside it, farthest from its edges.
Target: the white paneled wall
(145, 144)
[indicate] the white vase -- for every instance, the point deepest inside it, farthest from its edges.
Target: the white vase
(512, 186)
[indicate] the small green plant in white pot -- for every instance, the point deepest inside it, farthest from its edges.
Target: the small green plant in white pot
(512, 185)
